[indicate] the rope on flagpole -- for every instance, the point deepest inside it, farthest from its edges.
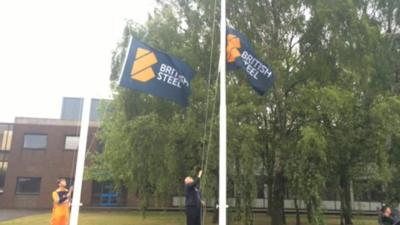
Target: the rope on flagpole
(210, 132)
(204, 158)
(209, 83)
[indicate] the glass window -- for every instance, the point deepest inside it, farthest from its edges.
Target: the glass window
(71, 142)
(35, 141)
(28, 185)
(2, 181)
(99, 146)
(3, 156)
(6, 133)
(3, 170)
(3, 166)
(5, 140)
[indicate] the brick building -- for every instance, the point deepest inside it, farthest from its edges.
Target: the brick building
(35, 152)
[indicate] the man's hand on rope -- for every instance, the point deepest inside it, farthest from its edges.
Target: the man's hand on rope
(70, 191)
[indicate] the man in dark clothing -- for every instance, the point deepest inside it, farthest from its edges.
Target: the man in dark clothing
(192, 200)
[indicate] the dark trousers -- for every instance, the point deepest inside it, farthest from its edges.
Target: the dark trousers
(193, 215)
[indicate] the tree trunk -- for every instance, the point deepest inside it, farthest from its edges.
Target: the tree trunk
(296, 206)
(345, 200)
(341, 218)
(270, 194)
(389, 16)
(215, 215)
(283, 211)
(238, 190)
(238, 206)
(277, 207)
(309, 212)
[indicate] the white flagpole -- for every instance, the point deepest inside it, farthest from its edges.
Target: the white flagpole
(222, 120)
(80, 163)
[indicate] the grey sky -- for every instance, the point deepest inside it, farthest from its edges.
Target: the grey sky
(55, 48)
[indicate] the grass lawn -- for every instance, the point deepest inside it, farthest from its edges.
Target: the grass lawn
(160, 218)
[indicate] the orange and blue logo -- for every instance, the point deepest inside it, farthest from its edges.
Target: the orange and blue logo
(232, 48)
(141, 69)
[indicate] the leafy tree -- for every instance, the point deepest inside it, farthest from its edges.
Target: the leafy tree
(331, 116)
(151, 144)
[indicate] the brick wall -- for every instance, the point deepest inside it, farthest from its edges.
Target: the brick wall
(49, 164)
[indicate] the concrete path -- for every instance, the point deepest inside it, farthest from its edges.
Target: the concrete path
(9, 214)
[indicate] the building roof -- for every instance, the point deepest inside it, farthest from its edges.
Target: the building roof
(52, 122)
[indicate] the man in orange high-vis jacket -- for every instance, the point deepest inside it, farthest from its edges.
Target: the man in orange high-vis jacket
(61, 203)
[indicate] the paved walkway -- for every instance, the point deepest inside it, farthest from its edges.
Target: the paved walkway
(9, 214)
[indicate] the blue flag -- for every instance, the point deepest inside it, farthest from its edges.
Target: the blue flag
(157, 73)
(241, 55)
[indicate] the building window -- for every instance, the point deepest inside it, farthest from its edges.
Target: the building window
(6, 139)
(3, 170)
(6, 133)
(3, 156)
(99, 146)
(35, 141)
(3, 165)
(71, 143)
(28, 185)
(2, 181)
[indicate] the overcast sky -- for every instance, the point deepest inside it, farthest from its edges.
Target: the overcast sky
(55, 48)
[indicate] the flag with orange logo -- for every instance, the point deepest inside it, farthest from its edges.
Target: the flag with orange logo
(157, 73)
(241, 55)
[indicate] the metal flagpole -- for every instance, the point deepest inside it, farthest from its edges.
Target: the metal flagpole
(222, 120)
(80, 164)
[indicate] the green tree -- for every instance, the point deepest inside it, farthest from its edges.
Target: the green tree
(151, 144)
(331, 114)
